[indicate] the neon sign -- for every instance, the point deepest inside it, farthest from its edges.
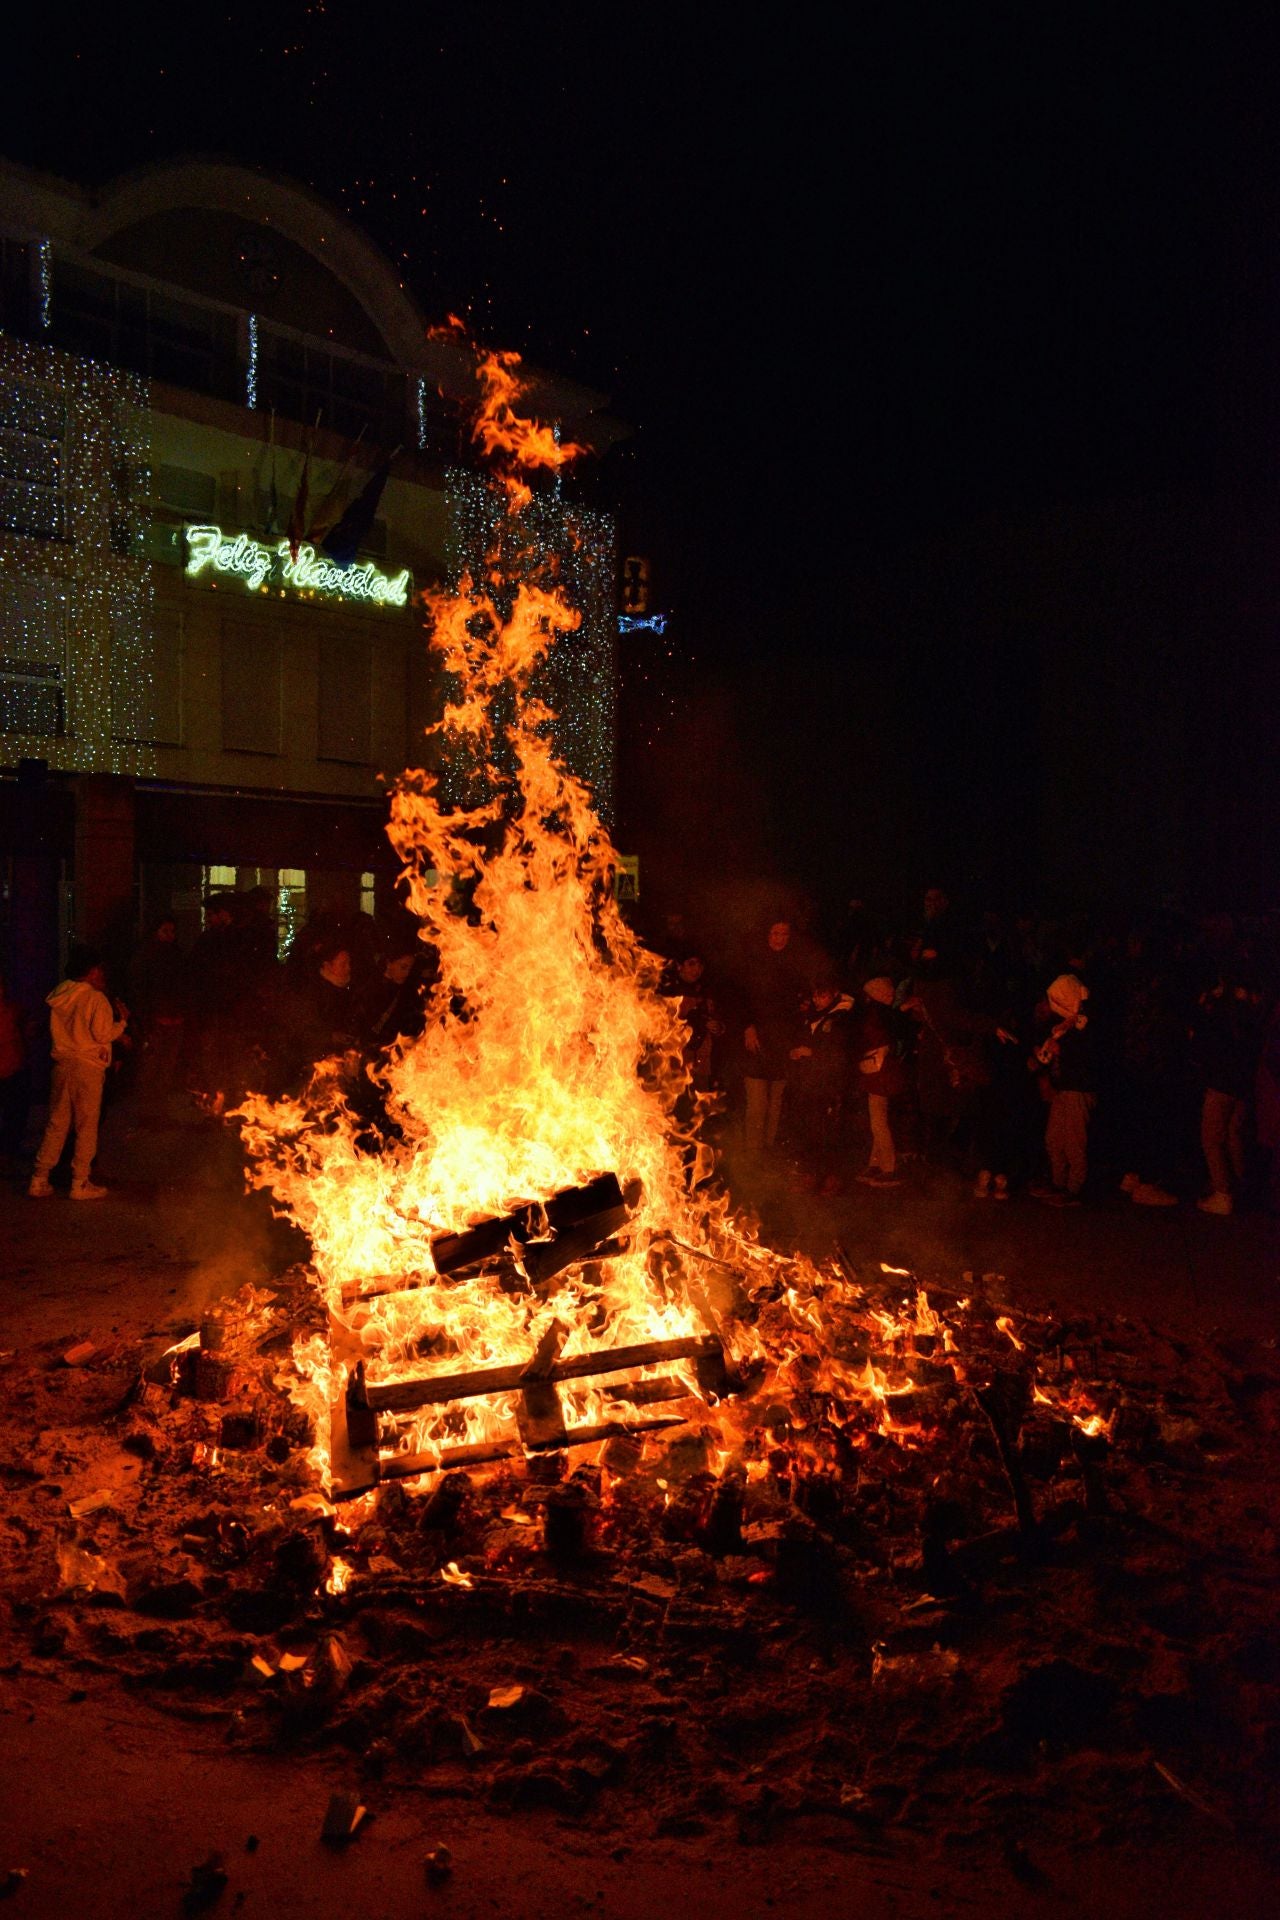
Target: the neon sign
(210, 550)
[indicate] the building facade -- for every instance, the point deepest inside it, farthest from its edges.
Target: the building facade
(187, 701)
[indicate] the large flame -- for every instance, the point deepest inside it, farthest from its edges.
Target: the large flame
(549, 1057)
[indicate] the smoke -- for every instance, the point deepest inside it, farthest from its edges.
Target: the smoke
(223, 1236)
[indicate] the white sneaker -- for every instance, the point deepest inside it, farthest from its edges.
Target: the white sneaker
(87, 1191)
(39, 1188)
(1216, 1203)
(1148, 1194)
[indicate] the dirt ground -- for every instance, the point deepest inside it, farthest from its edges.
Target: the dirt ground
(109, 1806)
(111, 1802)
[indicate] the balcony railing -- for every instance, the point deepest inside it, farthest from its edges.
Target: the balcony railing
(102, 312)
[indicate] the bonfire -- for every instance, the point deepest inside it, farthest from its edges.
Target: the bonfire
(533, 1252)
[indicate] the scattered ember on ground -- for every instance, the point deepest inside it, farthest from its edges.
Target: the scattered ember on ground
(843, 1653)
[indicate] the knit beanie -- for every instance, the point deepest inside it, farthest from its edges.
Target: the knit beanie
(1067, 996)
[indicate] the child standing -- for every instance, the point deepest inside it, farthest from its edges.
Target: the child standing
(1066, 1056)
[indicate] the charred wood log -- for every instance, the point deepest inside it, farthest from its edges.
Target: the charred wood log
(407, 1466)
(590, 1214)
(1005, 1400)
(576, 1224)
(1090, 1450)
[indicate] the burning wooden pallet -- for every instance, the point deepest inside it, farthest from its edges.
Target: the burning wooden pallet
(358, 1463)
(529, 1246)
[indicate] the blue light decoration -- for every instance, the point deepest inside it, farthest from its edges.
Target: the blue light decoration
(251, 368)
(577, 548)
(643, 622)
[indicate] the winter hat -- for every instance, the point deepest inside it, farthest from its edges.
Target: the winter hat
(1066, 997)
(881, 990)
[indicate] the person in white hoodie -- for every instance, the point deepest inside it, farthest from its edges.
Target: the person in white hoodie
(84, 1025)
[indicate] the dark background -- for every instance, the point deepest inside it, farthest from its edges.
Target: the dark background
(949, 340)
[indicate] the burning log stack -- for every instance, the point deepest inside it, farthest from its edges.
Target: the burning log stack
(525, 1250)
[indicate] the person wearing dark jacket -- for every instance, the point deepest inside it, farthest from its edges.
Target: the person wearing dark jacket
(393, 1005)
(15, 1073)
(158, 996)
(774, 991)
(212, 999)
(1227, 1041)
(820, 1084)
(1065, 1058)
(323, 1014)
(1267, 1108)
(950, 1062)
(687, 984)
(880, 1076)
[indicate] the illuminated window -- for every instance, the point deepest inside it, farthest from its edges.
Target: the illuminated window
(367, 894)
(33, 654)
(291, 905)
(33, 432)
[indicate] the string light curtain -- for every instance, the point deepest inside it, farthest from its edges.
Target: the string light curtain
(578, 546)
(76, 626)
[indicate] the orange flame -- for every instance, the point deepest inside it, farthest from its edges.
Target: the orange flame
(549, 1056)
(516, 444)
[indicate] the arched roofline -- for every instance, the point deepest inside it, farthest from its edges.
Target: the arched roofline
(315, 225)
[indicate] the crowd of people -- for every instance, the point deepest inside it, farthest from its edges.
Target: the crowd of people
(210, 1022)
(1057, 1061)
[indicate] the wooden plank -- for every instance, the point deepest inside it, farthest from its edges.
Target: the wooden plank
(648, 1393)
(374, 1285)
(407, 1466)
(401, 1396)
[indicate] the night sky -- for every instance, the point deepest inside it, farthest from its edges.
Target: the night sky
(854, 278)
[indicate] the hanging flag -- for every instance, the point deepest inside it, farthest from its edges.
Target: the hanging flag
(297, 529)
(330, 509)
(352, 530)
